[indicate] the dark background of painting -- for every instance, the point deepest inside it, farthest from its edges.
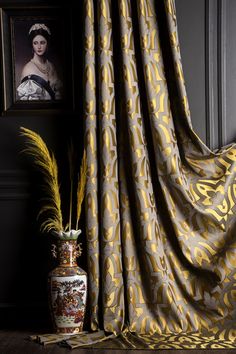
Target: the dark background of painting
(22, 48)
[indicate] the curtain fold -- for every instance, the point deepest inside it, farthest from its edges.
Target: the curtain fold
(91, 200)
(160, 205)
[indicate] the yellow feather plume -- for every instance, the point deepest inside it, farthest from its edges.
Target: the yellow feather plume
(47, 165)
(81, 187)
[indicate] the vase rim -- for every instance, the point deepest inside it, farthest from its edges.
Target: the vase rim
(67, 235)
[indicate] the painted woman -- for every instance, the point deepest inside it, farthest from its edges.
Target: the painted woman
(39, 78)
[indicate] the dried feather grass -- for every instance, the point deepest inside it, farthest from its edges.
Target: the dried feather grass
(47, 165)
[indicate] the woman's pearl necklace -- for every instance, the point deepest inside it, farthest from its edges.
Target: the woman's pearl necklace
(45, 68)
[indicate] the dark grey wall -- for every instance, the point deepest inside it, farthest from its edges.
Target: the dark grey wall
(230, 72)
(191, 26)
(208, 48)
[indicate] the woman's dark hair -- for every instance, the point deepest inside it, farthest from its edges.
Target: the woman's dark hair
(40, 32)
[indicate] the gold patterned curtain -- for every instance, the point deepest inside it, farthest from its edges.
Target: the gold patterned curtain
(160, 205)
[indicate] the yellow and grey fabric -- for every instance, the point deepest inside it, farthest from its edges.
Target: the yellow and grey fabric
(160, 205)
(129, 340)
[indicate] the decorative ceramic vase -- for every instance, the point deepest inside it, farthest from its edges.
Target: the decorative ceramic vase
(67, 285)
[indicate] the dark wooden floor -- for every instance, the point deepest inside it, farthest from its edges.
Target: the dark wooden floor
(16, 342)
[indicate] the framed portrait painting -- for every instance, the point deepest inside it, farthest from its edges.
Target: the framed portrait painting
(36, 59)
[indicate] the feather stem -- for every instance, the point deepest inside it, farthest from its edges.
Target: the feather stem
(81, 187)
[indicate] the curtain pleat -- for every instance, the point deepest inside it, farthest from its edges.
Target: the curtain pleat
(110, 250)
(141, 199)
(91, 200)
(160, 205)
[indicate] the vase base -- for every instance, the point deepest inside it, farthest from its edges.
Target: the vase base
(69, 330)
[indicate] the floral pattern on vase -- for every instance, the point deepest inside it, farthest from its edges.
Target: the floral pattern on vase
(67, 287)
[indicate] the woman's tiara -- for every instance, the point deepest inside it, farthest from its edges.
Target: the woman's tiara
(38, 26)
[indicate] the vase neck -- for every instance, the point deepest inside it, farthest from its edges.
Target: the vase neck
(67, 253)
